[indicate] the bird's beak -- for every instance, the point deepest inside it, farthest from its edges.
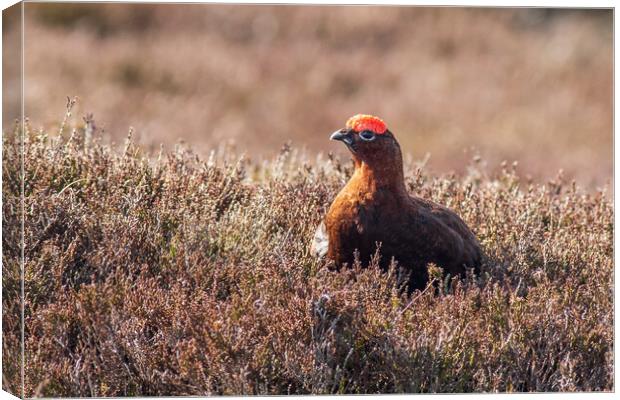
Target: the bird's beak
(343, 136)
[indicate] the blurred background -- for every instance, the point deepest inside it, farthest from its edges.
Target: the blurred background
(532, 85)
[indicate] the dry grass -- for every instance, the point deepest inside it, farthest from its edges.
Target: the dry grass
(180, 275)
(515, 84)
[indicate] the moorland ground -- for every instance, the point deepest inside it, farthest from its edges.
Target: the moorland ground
(188, 272)
(179, 275)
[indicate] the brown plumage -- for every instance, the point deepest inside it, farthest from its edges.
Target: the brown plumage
(374, 207)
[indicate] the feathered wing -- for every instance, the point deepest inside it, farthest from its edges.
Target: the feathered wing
(469, 253)
(320, 242)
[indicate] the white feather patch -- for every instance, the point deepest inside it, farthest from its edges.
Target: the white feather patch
(320, 242)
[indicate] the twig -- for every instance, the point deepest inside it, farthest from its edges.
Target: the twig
(70, 103)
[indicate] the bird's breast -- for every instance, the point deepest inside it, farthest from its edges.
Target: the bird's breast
(359, 221)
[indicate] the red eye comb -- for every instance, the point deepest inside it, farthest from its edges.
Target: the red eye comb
(364, 122)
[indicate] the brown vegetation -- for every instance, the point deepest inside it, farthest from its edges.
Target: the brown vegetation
(180, 275)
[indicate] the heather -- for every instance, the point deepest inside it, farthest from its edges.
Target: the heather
(170, 273)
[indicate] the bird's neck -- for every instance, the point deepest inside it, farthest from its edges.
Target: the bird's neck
(379, 176)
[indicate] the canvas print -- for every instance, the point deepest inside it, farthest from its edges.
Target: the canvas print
(227, 199)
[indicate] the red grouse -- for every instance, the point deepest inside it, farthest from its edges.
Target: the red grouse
(374, 208)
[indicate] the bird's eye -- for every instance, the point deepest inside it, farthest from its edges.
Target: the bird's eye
(367, 136)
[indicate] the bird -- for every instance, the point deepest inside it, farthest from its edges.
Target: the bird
(374, 212)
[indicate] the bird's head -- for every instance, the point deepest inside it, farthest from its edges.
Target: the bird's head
(369, 141)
